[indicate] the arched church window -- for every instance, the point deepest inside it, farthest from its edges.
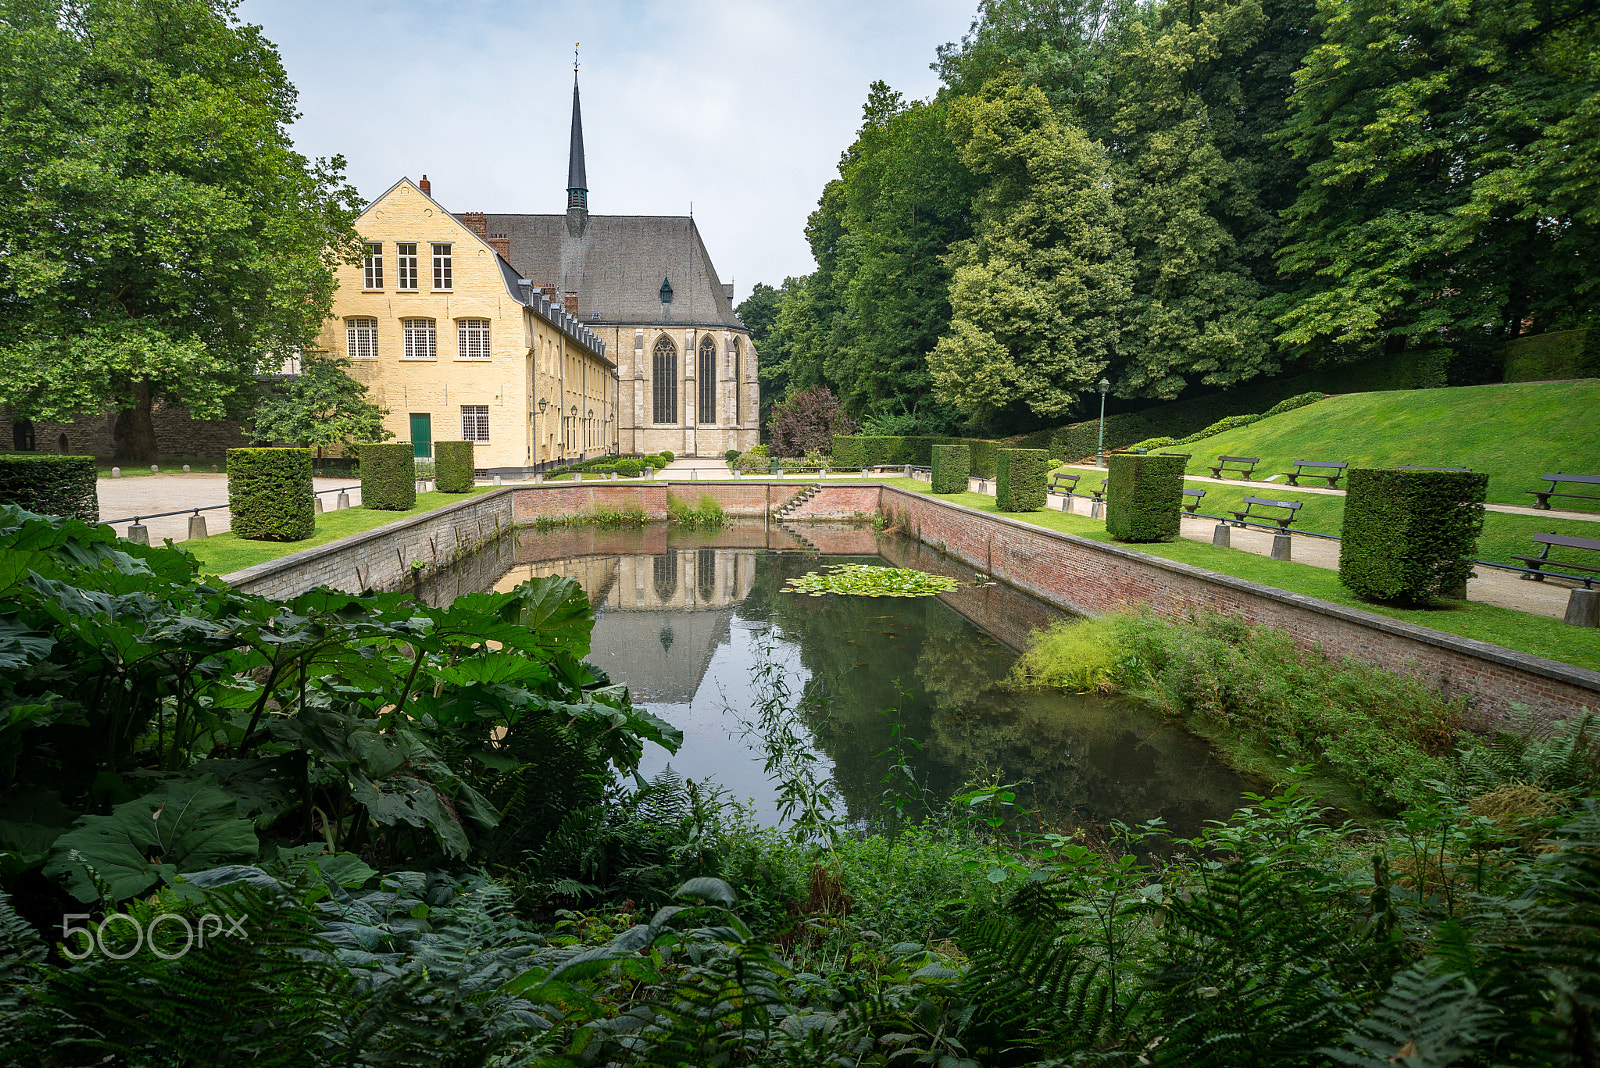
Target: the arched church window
(664, 381)
(708, 380)
(666, 577)
(738, 352)
(705, 574)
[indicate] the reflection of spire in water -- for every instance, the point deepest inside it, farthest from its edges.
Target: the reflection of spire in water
(666, 639)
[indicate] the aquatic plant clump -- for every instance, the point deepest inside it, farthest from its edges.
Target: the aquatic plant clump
(864, 580)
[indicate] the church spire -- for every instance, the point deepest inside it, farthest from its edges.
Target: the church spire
(577, 180)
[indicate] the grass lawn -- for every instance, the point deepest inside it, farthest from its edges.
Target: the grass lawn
(1538, 635)
(1513, 432)
(221, 554)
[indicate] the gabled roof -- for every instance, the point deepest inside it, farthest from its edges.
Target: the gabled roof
(615, 267)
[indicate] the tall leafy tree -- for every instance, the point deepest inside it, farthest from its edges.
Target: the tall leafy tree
(1453, 158)
(318, 407)
(1041, 289)
(161, 237)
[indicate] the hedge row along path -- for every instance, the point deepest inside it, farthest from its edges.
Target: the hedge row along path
(123, 497)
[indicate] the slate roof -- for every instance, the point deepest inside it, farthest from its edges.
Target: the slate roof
(615, 266)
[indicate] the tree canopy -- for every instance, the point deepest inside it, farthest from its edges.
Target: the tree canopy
(162, 239)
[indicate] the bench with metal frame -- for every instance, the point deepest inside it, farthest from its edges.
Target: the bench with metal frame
(1248, 515)
(1542, 497)
(1300, 472)
(1190, 506)
(1538, 563)
(1071, 481)
(1245, 465)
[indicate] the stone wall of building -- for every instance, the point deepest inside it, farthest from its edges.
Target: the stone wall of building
(177, 434)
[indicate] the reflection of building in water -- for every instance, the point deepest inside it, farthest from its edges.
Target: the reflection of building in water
(658, 619)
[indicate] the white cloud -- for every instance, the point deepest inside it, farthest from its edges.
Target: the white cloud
(740, 107)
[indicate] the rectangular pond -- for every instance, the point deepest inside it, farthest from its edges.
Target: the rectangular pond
(698, 625)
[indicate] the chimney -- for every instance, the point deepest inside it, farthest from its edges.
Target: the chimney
(476, 223)
(501, 244)
(570, 302)
(425, 186)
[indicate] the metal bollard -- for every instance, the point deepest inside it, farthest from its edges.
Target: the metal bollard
(341, 501)
(1280, 545)
(1222, 537)
(139, 532)
(197, 527)
(1583, 608)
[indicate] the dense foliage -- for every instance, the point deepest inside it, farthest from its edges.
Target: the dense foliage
(1144, 497)
(1186, 196)
(317, 407)
(454, 466)
(1554, 356)
(388, 475)
(952, 464)
(807, 421)
(163, 239)
(1020, 480)
(269, 494)
(51, 484)
(1410, 535)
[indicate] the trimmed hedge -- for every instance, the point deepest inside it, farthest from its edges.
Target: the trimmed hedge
(1563, 354)
(867, 450)
(951, 465)
(985, 457)
(630, 468)
(1409, 535)
(453, 466)
(388, 476)
(1019, 479)
(50, 484)
(1144, 495)
(269, 494)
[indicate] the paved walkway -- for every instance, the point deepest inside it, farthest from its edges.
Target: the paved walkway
(138, 495)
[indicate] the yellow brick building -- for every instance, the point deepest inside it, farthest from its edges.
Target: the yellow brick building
(447, 337)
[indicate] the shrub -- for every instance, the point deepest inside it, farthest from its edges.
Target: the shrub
(454, 464)
(1409, 535)
(706, 513)
(1563, 354)
(1019, 481)
(866, 450)
(50, 484)
(269, 494)
(630, 468)
(951, 464)
(388, 476)
(1144, 497)
(806, 421)
(757, 459)
(668, 455)
(731, 455)
(985, 457)
(1292, 403)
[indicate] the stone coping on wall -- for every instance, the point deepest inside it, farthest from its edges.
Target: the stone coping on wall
(1582, 680)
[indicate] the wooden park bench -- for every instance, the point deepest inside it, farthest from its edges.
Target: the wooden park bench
(1064, 484)
(1542, 497)
(1250, 515)
(1330, 473)
(1190, 506)
(1540, 562)
(1100, 493)
(1245, 465)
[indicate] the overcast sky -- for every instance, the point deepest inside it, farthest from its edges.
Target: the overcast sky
(740, 107)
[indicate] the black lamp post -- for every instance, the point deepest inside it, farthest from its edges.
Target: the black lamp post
(1100, 453)
(543, 404)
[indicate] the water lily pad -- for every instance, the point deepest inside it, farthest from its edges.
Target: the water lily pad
(864, 580)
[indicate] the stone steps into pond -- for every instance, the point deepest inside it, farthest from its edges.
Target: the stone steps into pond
(798, 501)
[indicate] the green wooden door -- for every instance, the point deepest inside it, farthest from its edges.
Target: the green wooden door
(422, 435)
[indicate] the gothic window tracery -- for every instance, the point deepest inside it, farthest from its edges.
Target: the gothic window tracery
(664, 381)
(708, 380)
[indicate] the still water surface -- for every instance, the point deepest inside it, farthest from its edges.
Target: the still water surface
(686, 619)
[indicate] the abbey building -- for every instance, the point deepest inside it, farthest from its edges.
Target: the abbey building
(545, 338)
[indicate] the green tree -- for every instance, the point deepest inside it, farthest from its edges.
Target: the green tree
(759, 313)
(1040, 290)
(319, 407)
(162, 238)
(1453, 185)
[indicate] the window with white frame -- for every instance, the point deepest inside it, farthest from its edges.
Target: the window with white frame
(472, 339)
(421, 340)
(475, 422)
(441, 266)
(372, 266)
(405, 259)
(361, 338)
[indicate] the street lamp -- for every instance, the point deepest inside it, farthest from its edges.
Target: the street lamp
(543, 404)
(1100, 453)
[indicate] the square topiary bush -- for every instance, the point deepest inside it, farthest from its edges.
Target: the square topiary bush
(1019, 479)
(388, 475)
(1144, 497)
(453, 466)
(985, 457)
(269, 494)
(50, 484)
(951, 465)
(1410, 535)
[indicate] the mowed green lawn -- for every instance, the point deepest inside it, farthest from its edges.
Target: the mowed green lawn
(1538, 635)
(222, 554)
(1515, 433)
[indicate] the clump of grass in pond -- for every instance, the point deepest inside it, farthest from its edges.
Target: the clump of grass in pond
(864, 580)
(632, 515)
(706, 513)
(1079, 656)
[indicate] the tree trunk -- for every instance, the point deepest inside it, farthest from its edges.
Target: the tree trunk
(134, 436)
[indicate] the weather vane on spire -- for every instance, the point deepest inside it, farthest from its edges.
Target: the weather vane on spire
(575, 46)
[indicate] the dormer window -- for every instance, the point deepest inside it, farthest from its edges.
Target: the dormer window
(666, 291)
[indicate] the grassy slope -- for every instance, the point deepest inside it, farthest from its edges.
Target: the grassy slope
(1539, 635)
(221, 554)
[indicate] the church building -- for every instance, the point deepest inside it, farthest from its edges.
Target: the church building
(576, 335)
